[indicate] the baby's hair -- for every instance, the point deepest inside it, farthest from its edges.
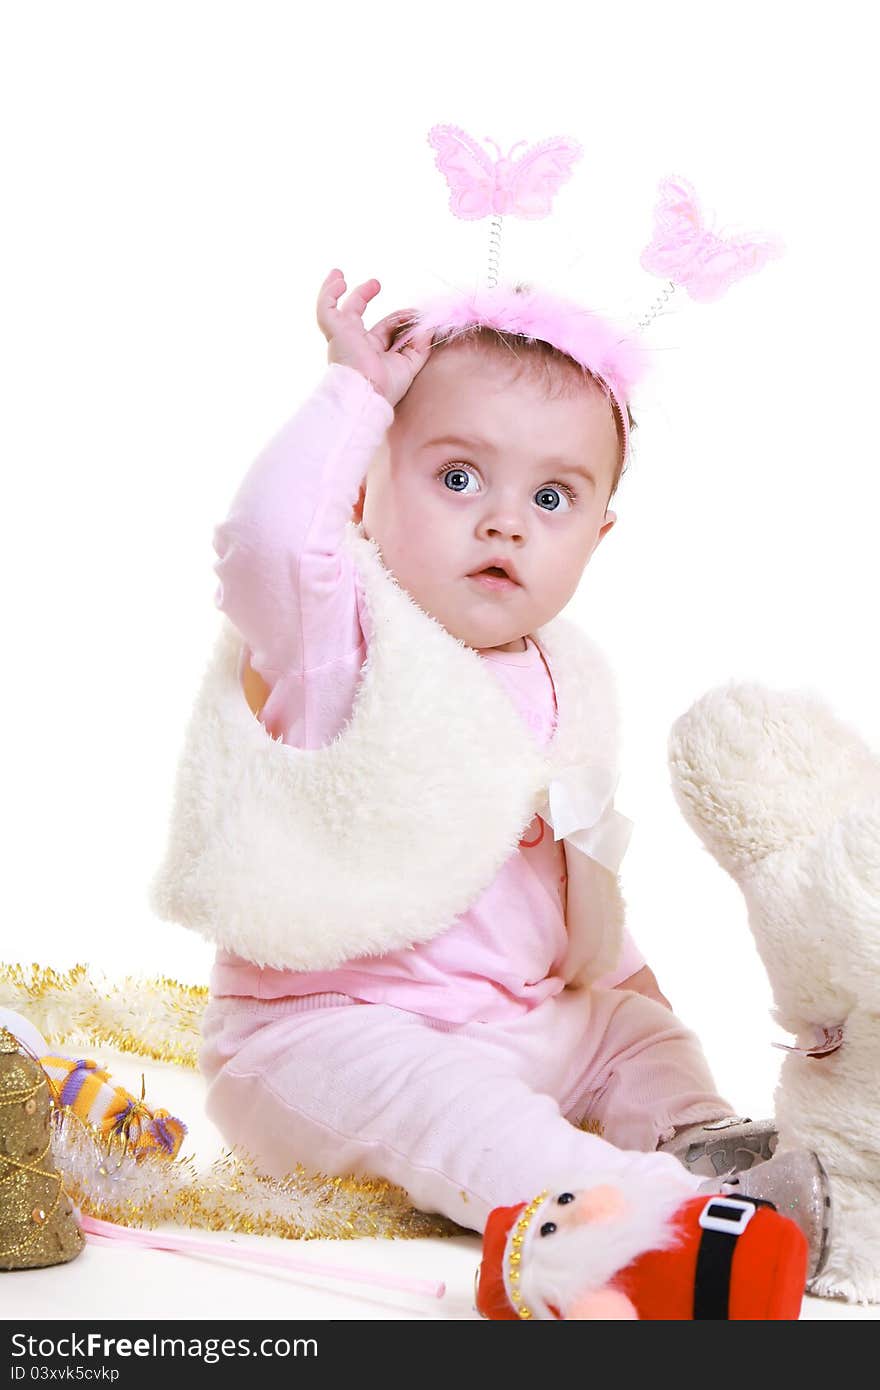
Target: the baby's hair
(538, 358)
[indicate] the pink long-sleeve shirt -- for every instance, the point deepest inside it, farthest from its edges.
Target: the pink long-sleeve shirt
(292, 592)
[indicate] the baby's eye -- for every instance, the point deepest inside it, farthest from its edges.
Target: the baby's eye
(552, 498)
(456, 479)
(564, 1198)
(548, 1228)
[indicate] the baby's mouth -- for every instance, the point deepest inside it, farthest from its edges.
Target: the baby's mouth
(494, 577)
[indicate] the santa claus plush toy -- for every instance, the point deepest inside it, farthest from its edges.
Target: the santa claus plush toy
(618, 1249)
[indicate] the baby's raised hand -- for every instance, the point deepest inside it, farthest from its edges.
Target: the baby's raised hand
(390, 370)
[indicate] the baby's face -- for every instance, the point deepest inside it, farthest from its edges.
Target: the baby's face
(480, 468)
(526, 485)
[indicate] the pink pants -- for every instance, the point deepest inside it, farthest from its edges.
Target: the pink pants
(463, 1117)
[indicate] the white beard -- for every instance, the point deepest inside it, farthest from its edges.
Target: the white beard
(562, 1267)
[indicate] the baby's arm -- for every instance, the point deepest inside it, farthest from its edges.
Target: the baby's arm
(283, 533)
(645, 982)
(282, 538)
(631, 972)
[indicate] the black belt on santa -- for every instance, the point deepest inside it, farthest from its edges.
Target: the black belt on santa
(723, 1220)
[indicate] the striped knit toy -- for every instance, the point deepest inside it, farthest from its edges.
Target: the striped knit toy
(81, 1085)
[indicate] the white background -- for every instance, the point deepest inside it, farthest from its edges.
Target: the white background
(179, 177)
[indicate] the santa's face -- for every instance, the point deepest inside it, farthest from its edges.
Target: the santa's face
(570, 1210)
(580, 1238)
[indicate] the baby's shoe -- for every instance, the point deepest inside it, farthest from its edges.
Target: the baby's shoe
(718, 1148)
(797, 1185)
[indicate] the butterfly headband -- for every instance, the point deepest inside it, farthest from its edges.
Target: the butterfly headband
(684, 250)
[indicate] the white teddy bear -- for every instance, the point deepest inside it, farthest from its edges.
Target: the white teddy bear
(787, 799)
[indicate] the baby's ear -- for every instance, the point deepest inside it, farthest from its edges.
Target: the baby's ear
(602, 1305)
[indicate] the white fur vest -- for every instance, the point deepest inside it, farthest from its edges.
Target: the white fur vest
(303, 859)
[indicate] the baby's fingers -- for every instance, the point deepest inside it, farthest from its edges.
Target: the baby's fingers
(329, 295)
(328, 298)
(417, 350)
(385, 329)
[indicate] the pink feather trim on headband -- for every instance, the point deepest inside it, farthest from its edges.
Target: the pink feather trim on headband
(600, 346)
(604, 349)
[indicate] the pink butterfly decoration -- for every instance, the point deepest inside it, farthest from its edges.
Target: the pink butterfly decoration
(692, 255)
(483, 187)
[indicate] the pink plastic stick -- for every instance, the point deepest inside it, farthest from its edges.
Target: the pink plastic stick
(107, 1232)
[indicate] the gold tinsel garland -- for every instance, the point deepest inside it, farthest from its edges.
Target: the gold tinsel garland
(157, 1018)
(160, 1019)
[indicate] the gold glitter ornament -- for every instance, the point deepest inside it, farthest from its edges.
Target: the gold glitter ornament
(37, 1223)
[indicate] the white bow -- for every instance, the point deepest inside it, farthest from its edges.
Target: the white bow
(579, 806)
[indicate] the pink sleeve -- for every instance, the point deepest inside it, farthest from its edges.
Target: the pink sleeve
(631, 960)
(284, 582)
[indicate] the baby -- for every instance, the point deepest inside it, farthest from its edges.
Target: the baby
(464, 1065)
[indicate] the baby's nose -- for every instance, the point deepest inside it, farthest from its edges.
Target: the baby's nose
(503, 525)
